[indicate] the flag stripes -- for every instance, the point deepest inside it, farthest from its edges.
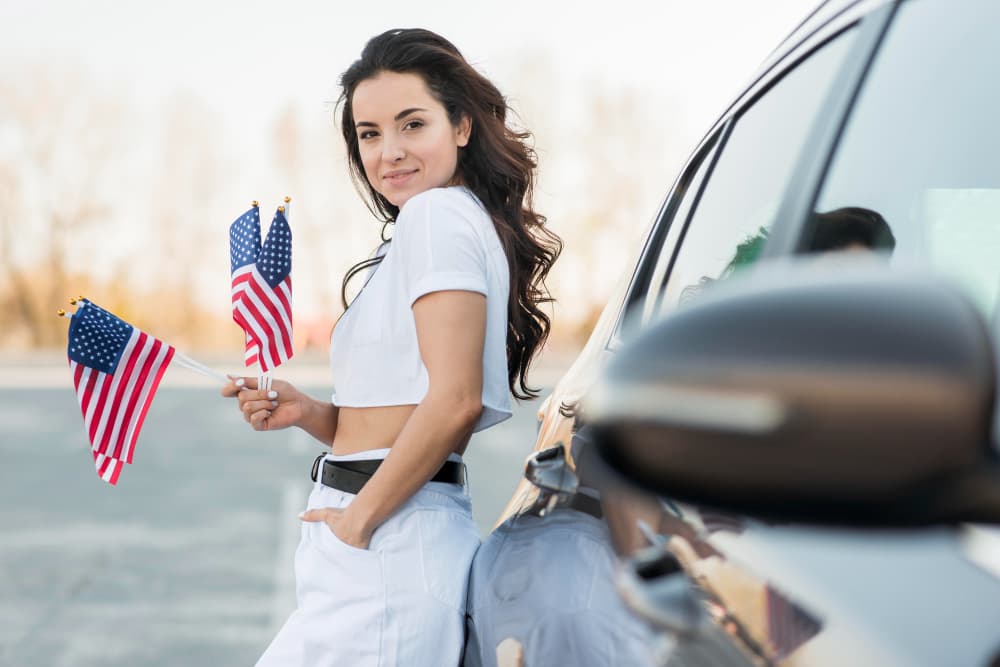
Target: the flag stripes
(115, 404)
(261, 291)
(266, 315)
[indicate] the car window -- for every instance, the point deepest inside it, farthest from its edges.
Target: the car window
(685, 193)
(736, 210)
(916, 176)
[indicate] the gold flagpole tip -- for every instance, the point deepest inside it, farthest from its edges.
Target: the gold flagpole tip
(61, 313)
(79, 298)
(281, 209)
(72, 301)
(288, 200)
(255, 204)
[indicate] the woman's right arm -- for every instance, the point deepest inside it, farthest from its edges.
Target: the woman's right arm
(284, 406)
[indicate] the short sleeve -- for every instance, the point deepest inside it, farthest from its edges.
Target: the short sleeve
(440, 246)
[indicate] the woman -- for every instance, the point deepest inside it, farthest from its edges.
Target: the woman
(429, 352)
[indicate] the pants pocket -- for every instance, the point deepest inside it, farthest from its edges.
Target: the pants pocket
(448, 543)
(341, 595)
(328, 541)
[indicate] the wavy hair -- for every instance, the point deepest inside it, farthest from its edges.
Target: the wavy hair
(497, 165)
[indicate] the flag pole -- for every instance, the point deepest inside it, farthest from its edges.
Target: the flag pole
(264, 378)
(179, 357)
(197, 367)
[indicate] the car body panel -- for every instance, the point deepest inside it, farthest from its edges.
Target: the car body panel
(784, 594)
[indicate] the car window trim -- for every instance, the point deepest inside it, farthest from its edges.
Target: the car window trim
(715, 145)
(824, 136)
(708, 149)
(724, 127)
(819, 22)
(723, 138)
(786, 57)
(733, 121)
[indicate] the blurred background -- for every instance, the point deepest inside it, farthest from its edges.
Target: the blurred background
(132, 134)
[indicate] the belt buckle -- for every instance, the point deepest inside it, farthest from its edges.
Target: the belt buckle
(315, 467)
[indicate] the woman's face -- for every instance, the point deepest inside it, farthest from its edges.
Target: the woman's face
(406, 141)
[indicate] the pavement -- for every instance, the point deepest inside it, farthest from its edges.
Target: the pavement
(188, 561)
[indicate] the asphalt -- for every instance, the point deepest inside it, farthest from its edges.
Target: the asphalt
(188, 560)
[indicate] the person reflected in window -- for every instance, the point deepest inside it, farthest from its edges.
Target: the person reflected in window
(851, 228)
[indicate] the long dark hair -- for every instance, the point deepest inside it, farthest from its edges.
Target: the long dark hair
(497, 165)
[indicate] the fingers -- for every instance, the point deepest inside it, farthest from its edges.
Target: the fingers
(313, 515)
(256, 405)
(320, 514)
(238, 384)
(258, 419)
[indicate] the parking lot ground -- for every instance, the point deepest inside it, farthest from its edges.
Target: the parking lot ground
(188, 560)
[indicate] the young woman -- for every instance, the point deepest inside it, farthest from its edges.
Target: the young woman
(428, 353)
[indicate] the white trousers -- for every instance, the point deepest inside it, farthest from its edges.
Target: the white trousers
(399, 602)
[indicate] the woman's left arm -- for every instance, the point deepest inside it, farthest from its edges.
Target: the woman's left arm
(451, 330)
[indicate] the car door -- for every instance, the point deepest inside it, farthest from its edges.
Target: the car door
(767, 144)
(778, 146)
(906, 173)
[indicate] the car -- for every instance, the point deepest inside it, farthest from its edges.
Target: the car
(779, 445)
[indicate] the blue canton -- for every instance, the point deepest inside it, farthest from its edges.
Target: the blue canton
(275, 260)
(244, 239)
(97, 338)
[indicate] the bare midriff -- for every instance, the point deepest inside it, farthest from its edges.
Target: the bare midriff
(361, 429)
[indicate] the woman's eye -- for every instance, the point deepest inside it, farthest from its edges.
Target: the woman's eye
(368, 134)
(413, 125)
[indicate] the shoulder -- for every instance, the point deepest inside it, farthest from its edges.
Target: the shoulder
(442, 207)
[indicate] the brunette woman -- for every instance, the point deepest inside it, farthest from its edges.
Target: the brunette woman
(429, 352)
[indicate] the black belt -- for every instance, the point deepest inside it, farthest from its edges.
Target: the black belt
(350, 476)
(581, 502)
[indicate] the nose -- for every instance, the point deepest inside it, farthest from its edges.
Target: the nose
(392, 150)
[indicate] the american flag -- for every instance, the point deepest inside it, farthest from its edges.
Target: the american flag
(262, 290)
(116, 371)
(244, 246)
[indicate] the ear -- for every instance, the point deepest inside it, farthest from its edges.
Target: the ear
(463, 131)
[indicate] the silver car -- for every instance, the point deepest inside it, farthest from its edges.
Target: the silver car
(780, 445)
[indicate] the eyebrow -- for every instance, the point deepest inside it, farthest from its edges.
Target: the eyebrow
(402, 114)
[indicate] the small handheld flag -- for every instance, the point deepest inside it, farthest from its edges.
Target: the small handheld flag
(244, 246)
(262, 287)
(116, 371)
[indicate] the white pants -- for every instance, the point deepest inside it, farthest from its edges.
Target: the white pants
(399, 602)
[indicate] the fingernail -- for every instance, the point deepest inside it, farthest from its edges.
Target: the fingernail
(240, 382)
(274, 404)
(302, 515)
(272, 394)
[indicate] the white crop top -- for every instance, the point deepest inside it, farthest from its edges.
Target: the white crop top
(443, 240)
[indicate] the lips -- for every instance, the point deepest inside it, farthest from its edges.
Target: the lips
(398, 176)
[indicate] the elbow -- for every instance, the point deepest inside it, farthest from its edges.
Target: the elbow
(469, 410)
(458, 406)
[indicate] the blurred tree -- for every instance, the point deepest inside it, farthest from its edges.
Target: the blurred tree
(58, 145)
(186, 183)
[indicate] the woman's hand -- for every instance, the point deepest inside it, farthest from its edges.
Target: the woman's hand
(281, 407)
(340, 524)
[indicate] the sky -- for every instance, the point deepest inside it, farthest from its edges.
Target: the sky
(670, 68)
(245, 58)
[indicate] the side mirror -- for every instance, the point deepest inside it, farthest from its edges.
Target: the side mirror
(859, 396)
